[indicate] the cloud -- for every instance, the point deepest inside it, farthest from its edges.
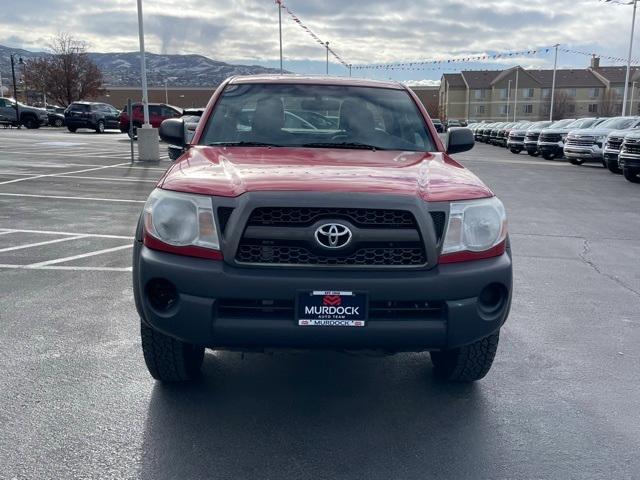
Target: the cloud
(361, 31)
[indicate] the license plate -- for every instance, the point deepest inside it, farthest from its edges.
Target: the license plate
(331, 309)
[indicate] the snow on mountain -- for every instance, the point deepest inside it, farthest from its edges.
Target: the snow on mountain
(123, 68)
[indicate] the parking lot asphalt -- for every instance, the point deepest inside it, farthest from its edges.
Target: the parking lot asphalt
(76, 401)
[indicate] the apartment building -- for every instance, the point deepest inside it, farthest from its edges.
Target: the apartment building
(499, 94)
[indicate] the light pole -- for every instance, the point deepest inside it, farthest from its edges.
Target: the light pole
(279, 3)
(633, 92)
(626, 80)
(327, 45)
(166, 92)
(148, 141)
(508, 98)
(349, 69)
(553, 83)
(1, 87)
(515, 97)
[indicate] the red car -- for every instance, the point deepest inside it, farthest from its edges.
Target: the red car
(158, 112)
(362, 235)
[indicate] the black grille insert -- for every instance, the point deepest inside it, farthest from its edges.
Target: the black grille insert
(299, 255)
(306, 216)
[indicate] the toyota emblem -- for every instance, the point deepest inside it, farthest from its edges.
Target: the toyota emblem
(333, 235)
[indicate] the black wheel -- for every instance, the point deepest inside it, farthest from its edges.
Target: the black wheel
(72, 129)
(168, 359)
(58, 122)
(30, 122)
(515, 151)
(613, 166)
(576, 161)
(100, 127)
(548, 156)
(533, 153)
(631, 174)
(468, 363)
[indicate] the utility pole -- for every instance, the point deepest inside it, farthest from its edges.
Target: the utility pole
(166, 92)
(626, 80)
(508, 99)
(633, 92)
(1, 87)
(553, 83)
(327, 45)
(15, 89)
(515, 97)
(279, 3)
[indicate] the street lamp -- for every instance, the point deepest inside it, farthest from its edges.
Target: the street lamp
(633, 25)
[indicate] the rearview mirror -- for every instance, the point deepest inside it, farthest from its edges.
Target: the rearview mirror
(172, 131)
(459, 139)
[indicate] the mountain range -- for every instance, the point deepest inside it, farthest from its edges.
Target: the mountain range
(123, 68)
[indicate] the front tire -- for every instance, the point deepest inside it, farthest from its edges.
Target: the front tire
(532, 153)
(515, 151)
(167, 359)
(100, 127)
(613, 167)
(548, 156)
(631, 174)
(58, 122)
(468, 363)
(576, 161)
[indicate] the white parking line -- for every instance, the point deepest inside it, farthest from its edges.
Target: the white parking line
(38, 244)
(51, 232)
(82, 177)
(66, 267)
(5, 232)
(60, 197)
(60, 174)
(77, 257)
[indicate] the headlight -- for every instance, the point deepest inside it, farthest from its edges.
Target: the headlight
(181, 219)
(475, 226)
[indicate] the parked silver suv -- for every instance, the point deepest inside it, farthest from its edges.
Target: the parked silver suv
(30, 117)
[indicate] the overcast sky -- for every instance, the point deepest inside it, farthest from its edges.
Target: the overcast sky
(371, 31)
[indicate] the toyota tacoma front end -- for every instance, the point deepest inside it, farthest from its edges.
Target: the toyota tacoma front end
(360, 234)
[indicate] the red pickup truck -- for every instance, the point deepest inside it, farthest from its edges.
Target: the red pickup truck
(355, 233)
(158, 112)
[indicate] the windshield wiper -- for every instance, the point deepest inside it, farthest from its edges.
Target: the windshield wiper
(354, 145)
(243, 144)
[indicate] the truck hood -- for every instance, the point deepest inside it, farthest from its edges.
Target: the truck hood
(592, 132)
(232, 171)
(622, 133)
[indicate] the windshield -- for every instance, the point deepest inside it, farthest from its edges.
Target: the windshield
(582, 123)
(562, 123)
(618, 123)
(319, 116)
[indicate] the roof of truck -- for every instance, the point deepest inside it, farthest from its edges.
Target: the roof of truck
(316, 80)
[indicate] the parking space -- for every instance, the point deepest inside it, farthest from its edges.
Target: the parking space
(77, 402)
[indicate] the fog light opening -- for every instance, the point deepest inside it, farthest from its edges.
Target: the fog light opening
(492, 299)
(162, 294)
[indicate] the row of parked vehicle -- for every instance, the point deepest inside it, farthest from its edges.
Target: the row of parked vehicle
(613, 141)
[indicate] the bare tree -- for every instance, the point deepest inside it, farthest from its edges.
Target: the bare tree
(67, 75)
(563, 105)
(611, 104)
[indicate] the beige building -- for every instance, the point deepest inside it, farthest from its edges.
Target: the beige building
(199, 97)
(499, 94)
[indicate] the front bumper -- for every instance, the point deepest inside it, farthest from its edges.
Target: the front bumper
(629, 160)
(584, 153)
(531, 146)
(553, 148)
(611, 156)
(202, 286)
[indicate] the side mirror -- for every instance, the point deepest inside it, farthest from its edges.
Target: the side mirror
(459, 139)
(172, 131)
